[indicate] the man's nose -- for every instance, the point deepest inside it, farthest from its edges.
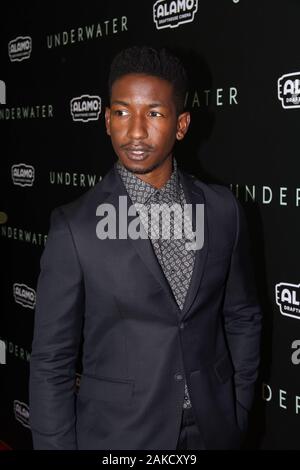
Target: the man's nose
(137, 128)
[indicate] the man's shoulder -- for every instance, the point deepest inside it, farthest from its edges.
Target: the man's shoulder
(223, 209)
(214, 193)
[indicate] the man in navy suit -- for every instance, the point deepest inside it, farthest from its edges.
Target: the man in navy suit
(170, 326)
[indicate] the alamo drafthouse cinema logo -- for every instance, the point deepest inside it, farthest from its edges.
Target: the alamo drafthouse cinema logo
(85, 108)
(22, 174)
(172, 13)
(289, 90)
(24, 295)
(21, 412)
(288, 299)
(20, 48)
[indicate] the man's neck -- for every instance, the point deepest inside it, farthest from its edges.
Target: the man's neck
(159, 176)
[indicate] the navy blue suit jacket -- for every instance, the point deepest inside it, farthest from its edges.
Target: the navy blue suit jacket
(138, 346)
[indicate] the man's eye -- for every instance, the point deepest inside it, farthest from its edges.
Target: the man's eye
(120, 112)
(155, 114)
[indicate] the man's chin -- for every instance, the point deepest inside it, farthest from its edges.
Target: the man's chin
(140, 170)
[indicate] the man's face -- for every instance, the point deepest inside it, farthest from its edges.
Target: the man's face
(142, 121)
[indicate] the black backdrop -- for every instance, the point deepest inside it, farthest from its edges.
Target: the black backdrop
(244, 134)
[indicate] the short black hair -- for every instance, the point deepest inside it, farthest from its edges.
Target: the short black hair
(150, 61)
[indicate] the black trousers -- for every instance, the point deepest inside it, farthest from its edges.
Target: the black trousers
(189, 436)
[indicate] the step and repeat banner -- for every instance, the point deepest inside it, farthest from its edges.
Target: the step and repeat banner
(244, 96)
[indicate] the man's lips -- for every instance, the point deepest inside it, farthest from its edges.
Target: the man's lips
(137, 153)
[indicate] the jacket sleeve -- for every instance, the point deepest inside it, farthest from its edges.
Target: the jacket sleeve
(242, 314)
(57, 333)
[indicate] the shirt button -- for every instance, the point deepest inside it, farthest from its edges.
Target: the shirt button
(178, 377)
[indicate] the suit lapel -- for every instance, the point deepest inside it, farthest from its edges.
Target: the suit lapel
(147, 254)
(194, 195)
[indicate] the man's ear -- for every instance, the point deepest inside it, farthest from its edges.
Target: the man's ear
(107, 119)
(183, 122)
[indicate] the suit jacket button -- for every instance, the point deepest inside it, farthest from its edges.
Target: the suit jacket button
(181, 326)
(178, 377)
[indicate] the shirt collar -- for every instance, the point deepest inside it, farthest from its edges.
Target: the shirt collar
(141, 192)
